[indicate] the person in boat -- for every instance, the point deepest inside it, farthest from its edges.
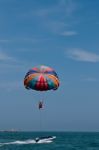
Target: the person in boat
(45, 137)
(37, 139)
(40, 105)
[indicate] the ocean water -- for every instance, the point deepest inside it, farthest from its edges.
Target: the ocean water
(63, 141)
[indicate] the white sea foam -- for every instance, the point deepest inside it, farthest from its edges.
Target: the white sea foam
(29, 141)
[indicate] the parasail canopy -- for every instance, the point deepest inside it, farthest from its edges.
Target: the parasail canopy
(41, 78)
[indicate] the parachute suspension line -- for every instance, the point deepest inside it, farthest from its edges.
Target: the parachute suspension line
(41, 114)
(40, 107)
(41, 102)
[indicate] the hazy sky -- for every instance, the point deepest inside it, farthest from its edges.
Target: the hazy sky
(62, 34)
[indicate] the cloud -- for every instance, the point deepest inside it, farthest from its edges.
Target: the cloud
(5, 57)
(24, 40)
(11, 85)
(56, 26)
(62, 9)
(54, 17)
(69, 7)
(90, 79)
(82, 55)
(4, 41)
(8, 63)
(69, 33)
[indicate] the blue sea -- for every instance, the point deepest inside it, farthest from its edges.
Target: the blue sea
(63, 141)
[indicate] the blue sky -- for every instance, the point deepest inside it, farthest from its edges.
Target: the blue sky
(62, 34)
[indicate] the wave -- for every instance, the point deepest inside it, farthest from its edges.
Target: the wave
(29, 141)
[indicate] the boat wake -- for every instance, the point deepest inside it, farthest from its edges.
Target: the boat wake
(30, 141)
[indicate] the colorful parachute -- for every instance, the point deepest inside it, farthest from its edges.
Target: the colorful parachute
(41, 78)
